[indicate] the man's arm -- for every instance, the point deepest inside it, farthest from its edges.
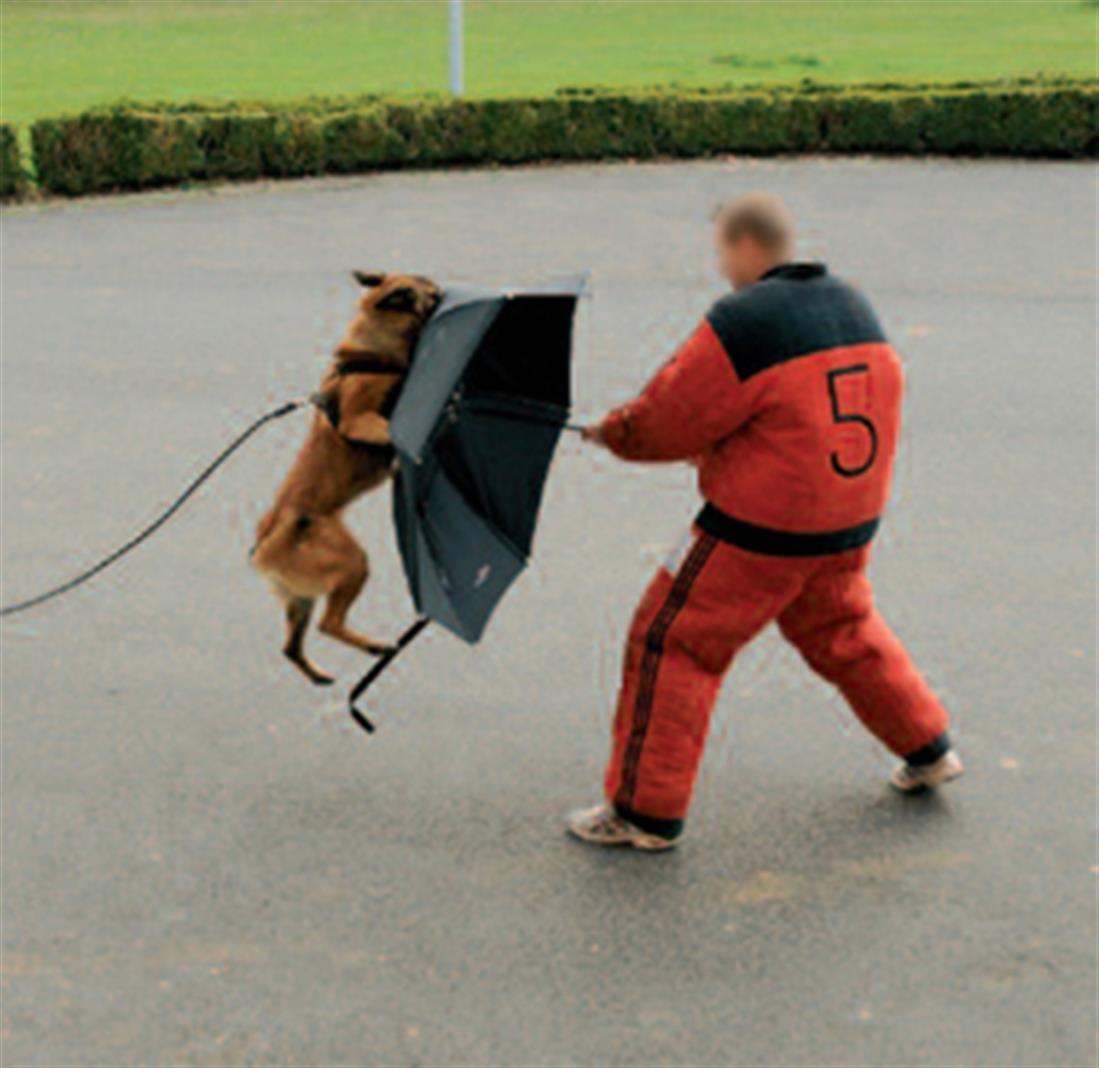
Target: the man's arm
(693, 402)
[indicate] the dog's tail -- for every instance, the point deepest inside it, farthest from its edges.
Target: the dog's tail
(263, 528)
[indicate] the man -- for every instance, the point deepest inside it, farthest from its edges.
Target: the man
(787, 397)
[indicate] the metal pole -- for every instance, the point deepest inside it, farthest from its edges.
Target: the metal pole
(457, 63)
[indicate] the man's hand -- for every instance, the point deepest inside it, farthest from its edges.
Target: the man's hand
(593, 434)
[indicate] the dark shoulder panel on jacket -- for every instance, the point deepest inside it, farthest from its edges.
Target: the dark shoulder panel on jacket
(780, 319)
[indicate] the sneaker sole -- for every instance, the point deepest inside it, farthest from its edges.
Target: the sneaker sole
(928, 784)
(647, 844)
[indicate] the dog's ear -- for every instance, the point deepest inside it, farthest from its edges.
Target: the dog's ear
(401, 299)
(368, 279)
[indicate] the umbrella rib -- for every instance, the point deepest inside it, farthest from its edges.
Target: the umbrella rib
(431, 531)
(522, 410)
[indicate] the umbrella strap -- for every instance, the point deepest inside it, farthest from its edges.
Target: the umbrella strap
(384, 661)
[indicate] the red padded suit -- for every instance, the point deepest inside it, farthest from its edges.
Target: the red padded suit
(787, 397)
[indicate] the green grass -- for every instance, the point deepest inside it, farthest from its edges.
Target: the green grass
(60, 56)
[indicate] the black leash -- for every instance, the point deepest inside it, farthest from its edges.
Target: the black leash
(384, 661)
(137, 539)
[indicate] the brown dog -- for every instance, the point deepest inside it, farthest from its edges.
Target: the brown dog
(302, 546)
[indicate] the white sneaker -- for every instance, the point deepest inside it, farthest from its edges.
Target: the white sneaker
(909, 778)
(603, 826)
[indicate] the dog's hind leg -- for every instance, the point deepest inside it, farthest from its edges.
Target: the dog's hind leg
(298, 611)
(355, 572)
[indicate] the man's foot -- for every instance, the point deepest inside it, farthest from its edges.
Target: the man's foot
(909, 778)
(603, 826)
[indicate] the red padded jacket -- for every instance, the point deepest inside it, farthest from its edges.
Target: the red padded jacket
(788, 398)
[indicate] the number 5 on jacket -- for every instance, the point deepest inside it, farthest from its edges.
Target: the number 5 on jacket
(839, 416)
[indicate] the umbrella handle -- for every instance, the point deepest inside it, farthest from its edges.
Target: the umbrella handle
(383, 662)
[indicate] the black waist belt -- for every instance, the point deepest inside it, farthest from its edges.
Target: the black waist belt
(770, 542)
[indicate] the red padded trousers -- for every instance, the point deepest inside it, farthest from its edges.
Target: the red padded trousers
(691, 623)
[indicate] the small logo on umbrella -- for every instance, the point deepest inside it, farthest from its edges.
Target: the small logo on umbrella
(482, 576)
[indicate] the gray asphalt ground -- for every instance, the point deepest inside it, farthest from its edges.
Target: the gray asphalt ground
(206, 863)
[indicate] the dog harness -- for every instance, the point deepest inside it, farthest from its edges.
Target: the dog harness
(329, 402)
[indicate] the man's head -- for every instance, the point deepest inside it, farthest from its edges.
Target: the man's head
(752, 234)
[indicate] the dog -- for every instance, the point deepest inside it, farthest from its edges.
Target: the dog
(302, 546)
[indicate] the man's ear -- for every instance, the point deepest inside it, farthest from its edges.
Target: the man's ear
(402, 299)
(368, 279)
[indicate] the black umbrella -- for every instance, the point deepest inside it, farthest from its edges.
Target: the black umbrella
(475, 428)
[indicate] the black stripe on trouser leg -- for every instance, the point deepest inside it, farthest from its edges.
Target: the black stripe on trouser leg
(650, 664)
(936, 749)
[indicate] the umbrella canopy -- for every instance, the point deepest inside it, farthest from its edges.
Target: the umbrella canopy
(475, 429)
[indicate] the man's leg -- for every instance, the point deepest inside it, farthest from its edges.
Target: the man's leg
(684, 635)
(839, 632)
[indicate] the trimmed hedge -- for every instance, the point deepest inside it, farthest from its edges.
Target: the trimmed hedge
(133, 147)
(11, 164)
